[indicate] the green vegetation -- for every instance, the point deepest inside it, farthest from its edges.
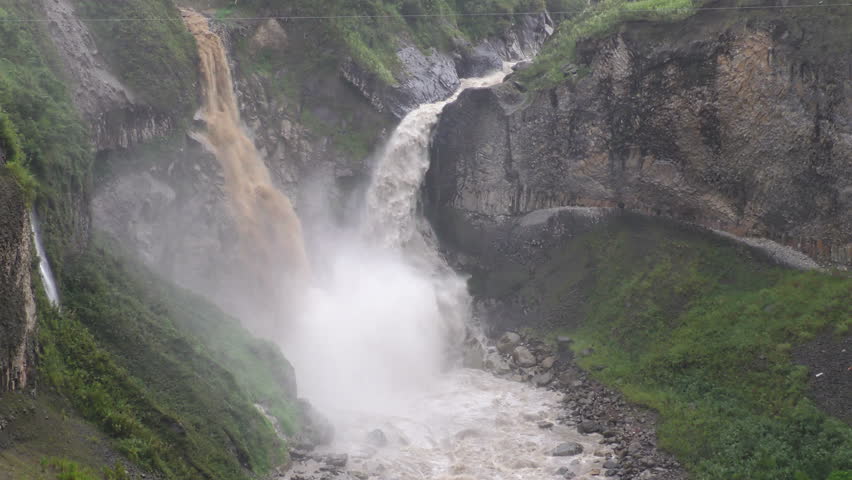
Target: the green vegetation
(372, 42)
(51, 143)
(65, 469)
(549, 68)
(701, 330)
(170, 378)
(155, 56)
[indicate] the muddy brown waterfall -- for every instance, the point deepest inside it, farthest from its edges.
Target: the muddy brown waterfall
(270, 233)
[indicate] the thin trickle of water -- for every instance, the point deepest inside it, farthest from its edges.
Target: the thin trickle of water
(270, 231)
(43, 264)
(402, 164)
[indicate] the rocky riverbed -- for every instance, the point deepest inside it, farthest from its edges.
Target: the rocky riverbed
(491, 424)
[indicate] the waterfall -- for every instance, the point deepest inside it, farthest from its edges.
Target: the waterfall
(371, 348)
(270, 232)
(403, 162)
(43, 265)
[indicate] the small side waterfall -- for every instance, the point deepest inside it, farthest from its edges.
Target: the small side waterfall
(270, 233)
(43, 264)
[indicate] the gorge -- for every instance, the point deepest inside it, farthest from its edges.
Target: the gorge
(417, 239)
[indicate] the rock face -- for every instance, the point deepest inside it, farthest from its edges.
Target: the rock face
(17, 308)
(742, 129)
(432, 77)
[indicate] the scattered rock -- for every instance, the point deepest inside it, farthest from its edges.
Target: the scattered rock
(523, 357)
(548, 362)
(337, 460)
(611, 464)
(543, 379)
(567, 449)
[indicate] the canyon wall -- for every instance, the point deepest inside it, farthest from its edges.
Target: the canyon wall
(734, 124)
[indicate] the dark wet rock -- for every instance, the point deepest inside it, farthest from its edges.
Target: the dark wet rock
(545, 425)
(589, 426)
(478, 62)
(567, 449)
(521, 66)
(611, 464)
(337, 460)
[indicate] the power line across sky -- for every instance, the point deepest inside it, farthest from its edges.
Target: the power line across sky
(445, 15)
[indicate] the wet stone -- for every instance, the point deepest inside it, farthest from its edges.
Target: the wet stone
(523, 357)
(567, 449)
(508, 342)
(589, 426)
(377, 438)
(543, 379)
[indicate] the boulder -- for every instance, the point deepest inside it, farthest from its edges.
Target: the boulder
(543, 379)
(377, 438)
(507, 343)
(523, 357)
(589, 426)
(567, 449)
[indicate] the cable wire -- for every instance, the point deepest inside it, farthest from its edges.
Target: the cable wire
(442, 15)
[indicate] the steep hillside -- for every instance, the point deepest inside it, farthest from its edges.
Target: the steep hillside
(707, 332)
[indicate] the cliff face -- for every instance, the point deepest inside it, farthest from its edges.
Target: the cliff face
(733, 125)
(114, 114)
(17, 309)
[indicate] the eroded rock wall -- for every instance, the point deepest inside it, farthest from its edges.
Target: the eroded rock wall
(17, 308)
(731, 124)
(116, 118)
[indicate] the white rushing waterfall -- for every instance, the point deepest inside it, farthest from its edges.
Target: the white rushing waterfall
(43, 265)
(371, 351)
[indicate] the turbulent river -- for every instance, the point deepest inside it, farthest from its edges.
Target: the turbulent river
(377, 348)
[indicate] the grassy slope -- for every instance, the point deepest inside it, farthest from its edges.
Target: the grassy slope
(52, 142)
(700, 330)
(124, 353)
(156, 59)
